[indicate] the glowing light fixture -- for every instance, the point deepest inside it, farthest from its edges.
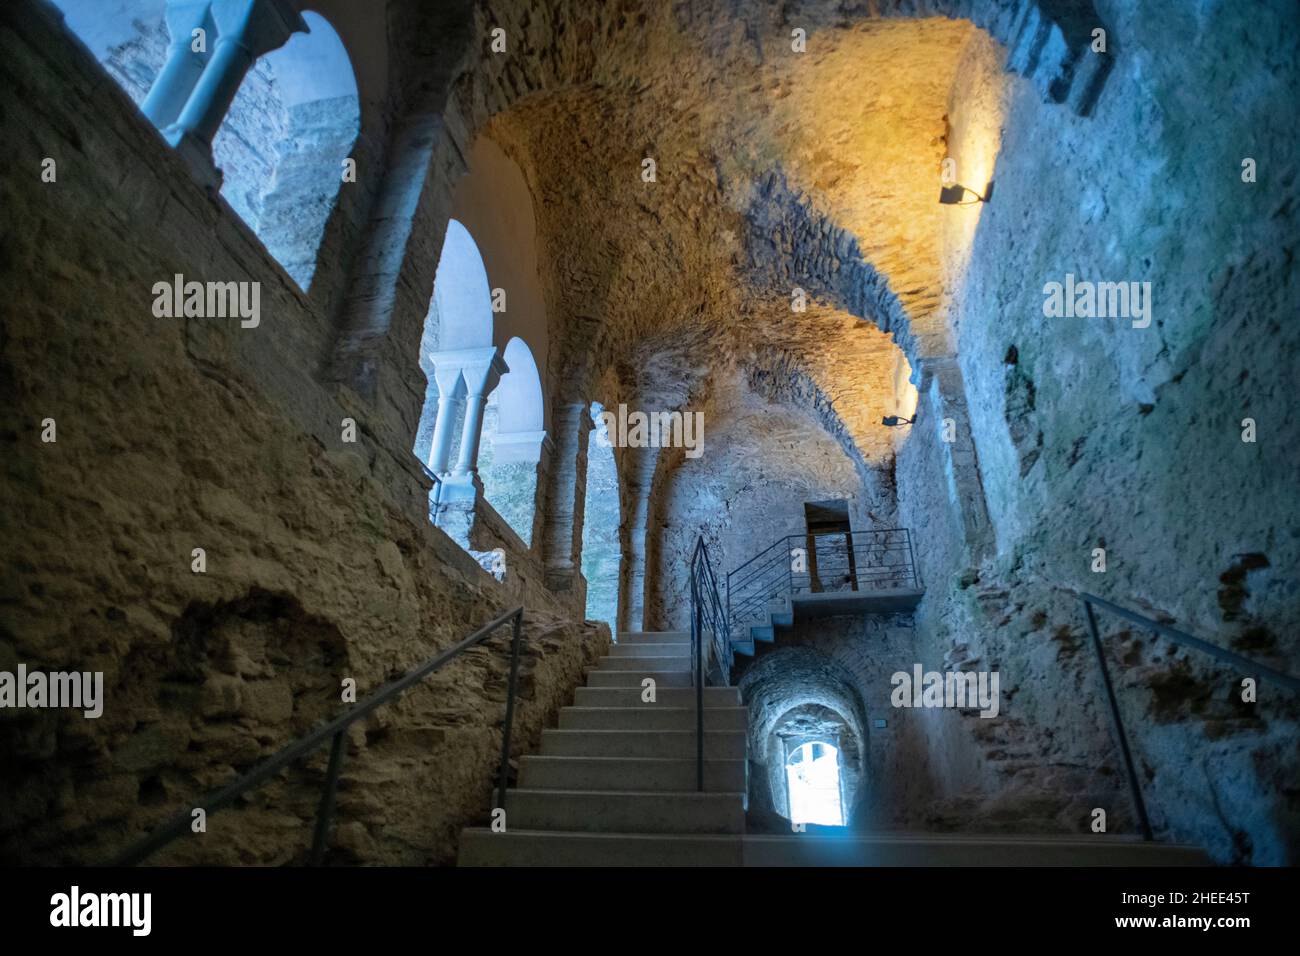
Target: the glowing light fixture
(952, 195)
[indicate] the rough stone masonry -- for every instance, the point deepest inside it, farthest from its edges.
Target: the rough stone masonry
(787, 272)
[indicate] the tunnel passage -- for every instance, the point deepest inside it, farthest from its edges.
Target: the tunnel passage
(798, 696)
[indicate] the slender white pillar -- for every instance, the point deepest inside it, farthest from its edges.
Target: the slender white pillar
(450, 400)
(174, 84)
(477, 371)
(481, 377)
(246, 29)
(472, 434)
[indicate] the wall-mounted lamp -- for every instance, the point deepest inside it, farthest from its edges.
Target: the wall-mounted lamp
(895, 420)
(952, 195)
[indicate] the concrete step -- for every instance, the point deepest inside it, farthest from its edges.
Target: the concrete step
(655, 637)
(651, 717)
(780, 613)
(537, 772)
(723, 744)
(662, 679)
(651, 650)
(532, 848)
(625, 812)
(664, 697)
(610, 663)
(481, 847)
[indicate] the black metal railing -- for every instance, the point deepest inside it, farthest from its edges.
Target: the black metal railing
(710, 642)
(1243, 664)
(335, 731)
(876, 560)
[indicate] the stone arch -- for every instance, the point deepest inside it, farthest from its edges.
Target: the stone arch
(461, 365)
(446, 112)
(520, 396)
(494, 203)
(284, 142)
(462, 295)
(1050, 38)
(800, 693)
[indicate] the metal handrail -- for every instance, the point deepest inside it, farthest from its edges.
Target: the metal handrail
(774, 544)
(1181, 638)
(753, 584)
(335, 730)
(706, 614)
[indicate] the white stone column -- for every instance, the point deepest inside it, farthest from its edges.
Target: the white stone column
(480, 379)
(450, 399)
(480, 370)
(246, 29)
(172, 88)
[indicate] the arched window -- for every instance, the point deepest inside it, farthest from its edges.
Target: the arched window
(601, 518)
(462, 298)
(812, 773)
(281, 145)
(513, 436)
(457, 331)
(483, 424)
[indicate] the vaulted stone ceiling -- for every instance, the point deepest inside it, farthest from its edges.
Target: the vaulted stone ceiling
(774, 170)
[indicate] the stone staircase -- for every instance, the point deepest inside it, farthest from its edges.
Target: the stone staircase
(614, 785)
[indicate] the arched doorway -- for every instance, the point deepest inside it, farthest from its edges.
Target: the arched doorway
(814, 783)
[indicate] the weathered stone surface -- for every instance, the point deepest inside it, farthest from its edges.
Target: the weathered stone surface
(175, 435)
(776, 172)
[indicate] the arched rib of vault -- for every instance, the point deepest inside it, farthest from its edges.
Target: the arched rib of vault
(616, 240)
(782, 378)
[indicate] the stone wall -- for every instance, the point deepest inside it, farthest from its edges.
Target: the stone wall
(760, 462)
(1136, 433)
(1092, 433)
(1069, 434)
(175, 434)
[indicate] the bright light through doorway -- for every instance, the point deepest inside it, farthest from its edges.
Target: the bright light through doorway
(812, 773)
